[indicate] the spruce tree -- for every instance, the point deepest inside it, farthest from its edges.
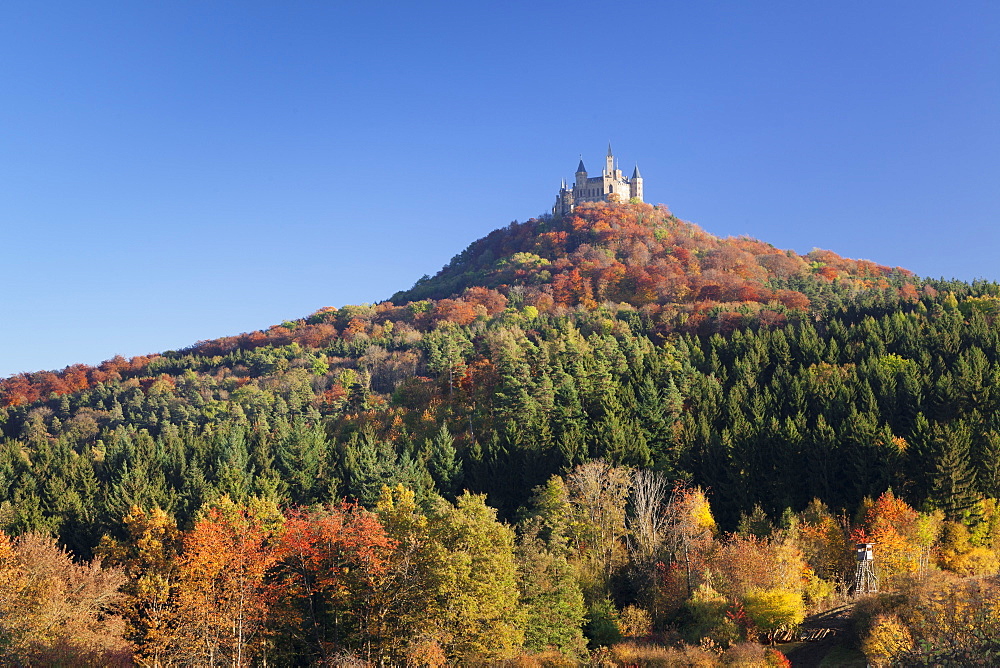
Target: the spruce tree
(443, 462)
(988, 464)
(953, 485)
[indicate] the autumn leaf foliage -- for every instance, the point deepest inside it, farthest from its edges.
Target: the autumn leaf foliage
(149, 556)
(57, 612)
(332, 561)
(892, 525)
(222, 597)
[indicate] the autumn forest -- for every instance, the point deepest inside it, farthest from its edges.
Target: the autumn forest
(609, 438)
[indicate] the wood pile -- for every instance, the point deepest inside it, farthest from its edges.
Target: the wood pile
(802, 635)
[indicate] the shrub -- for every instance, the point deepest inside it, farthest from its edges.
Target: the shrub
(951, 622)
(426, 653)
(887, 639)
(643, 656)
(754, 655)
(976, 561)
(771, 609)
(708, 619)
(635, 622)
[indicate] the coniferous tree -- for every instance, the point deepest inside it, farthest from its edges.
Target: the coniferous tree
(443, 462)
(301, 457)
(921, 454)
(551, 598)
(953, 485)
(988, 464)
(656, 412)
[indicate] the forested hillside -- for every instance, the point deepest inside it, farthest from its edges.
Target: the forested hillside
(782, 391)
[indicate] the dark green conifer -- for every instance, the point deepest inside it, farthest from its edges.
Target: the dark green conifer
(443, 462)
(953, 483)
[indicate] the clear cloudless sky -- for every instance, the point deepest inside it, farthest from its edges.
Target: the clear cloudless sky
(183, 170)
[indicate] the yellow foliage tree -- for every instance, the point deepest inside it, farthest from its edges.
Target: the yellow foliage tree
(773, 609)
(690, 530)
(407, 592)
(959, 555)
(57, 612)
(148, 556)
(479, 616)
(887, 639)
(635, 622)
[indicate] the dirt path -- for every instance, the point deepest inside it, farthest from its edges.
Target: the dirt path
(811, 654)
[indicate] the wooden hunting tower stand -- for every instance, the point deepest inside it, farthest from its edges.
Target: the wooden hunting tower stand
(865, 580)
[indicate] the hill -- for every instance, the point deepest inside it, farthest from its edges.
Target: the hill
(642, 256)
(617, 332)
(779, 383)
(631, 256)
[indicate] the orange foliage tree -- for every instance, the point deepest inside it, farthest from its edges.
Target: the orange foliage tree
(892, 525)
(332, 563)
(222, 598)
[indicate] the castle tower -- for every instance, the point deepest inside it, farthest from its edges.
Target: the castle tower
(581, 174)
(636, 183)
(610, 170)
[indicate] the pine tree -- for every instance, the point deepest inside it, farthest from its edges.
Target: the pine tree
(368, 463)
(301, 458)
(988, 464)
(443, 462)
(953, 485)
(656, 412)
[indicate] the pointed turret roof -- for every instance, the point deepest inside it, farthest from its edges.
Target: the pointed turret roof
(581, 168)
(635, 173)
(609, 150)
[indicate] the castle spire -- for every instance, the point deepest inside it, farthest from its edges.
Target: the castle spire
(581, 168)
(635, 184)
(609, 150)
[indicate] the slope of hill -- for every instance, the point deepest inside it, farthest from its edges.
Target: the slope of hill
(618, 333)
(643, 256)
(628, 255)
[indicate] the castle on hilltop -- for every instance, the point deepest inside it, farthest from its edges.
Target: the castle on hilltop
(610, 186)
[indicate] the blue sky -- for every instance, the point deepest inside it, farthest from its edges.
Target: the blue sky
(176, 171)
